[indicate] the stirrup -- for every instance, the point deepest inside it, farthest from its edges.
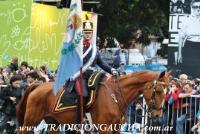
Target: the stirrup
(88, 120)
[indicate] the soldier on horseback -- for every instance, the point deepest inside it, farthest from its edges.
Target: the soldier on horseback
(87, 42)
(83, 91)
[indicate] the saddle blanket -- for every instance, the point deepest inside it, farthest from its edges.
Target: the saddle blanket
(69, 101)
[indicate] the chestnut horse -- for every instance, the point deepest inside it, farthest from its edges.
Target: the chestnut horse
(114, 96)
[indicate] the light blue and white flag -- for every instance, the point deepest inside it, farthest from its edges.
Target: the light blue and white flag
(71, 55)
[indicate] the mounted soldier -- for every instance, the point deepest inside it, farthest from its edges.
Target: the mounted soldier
(78, 55)
(87, 53)
(87, 42)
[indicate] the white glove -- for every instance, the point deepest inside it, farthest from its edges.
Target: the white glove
(114, 72)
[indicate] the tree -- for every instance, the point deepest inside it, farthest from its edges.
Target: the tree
(122, 17)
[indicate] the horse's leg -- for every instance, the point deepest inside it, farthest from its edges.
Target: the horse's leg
(109, 115)
(50, 120)
(53, 132)
(34, 114)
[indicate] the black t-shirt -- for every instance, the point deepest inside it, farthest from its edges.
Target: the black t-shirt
(8, 106)
(13, 66)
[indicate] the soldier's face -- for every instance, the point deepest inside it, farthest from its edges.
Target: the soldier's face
(87, 35)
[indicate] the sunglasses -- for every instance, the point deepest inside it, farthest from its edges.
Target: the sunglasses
(195, 7)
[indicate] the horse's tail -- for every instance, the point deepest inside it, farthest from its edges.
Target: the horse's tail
(21, 106)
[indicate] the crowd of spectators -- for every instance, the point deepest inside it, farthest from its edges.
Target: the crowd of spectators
(181, 104)
(181, 112)
(14, 79)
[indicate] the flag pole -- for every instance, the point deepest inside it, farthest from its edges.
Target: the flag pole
(81, 91)
(81, 96)
(81, 100)
(82, 4)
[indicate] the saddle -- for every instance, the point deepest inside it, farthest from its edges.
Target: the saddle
(66, 100)
(94, 80)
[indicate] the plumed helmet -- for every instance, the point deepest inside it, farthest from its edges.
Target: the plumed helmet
(87, 24)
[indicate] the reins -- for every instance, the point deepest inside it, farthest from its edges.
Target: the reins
(152, 106)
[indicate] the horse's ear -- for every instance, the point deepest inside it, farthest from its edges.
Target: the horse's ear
(162, 74)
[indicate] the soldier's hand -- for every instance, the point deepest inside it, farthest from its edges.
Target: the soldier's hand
(114, 72)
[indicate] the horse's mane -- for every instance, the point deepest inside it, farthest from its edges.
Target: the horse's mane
(140, 77)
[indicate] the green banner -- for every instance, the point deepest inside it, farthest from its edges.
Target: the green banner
(48, 24)
(33, 32)
(14, 29)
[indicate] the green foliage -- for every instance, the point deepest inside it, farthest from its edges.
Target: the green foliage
(121, 18)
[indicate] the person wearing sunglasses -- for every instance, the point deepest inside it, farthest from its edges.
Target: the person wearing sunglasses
(189, 41)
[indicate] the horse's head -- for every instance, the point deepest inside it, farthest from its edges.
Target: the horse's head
(154, 94)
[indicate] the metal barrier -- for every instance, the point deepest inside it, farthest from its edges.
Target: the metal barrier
(138, 116)
(192, 105)
(2, 86)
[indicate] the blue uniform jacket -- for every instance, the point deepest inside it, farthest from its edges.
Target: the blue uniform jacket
(97, 61)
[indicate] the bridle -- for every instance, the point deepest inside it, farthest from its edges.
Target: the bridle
(151, 102)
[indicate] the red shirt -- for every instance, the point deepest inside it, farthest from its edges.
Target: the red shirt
(175, 95)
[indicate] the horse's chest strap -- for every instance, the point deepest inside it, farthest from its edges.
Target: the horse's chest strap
(114, 97)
